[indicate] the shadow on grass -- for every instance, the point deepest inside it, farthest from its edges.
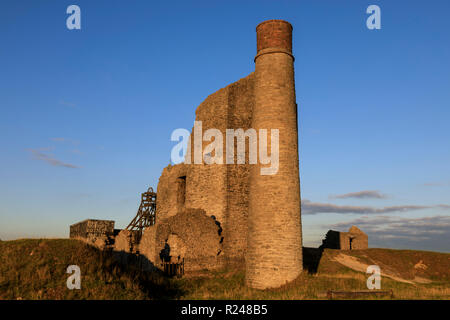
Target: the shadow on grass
(152, 281)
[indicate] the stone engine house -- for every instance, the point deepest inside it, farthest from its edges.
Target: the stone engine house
(216, 215)
(212, 216)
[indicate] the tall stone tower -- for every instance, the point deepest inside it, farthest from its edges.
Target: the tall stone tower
(274, 248)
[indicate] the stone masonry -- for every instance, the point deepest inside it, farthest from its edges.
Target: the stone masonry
(274, 248)
(217, 215)
(93, 231)
(354, 239)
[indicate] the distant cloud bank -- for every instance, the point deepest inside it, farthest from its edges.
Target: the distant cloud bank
(366, 194)
(309, 207)
(428, 233)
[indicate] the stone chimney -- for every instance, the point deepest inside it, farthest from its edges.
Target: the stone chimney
(274, 249)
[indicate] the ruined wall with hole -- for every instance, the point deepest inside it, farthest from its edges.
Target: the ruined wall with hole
(191, 235)
(221, 190)
(354, 239)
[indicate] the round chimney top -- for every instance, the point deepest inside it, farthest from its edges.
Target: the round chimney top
(274, 34)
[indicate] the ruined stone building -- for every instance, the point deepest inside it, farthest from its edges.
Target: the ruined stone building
(222, 214)
(98, 232)
(354, 239)
(216, 215)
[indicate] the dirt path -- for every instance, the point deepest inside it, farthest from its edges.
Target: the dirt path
(354, 264)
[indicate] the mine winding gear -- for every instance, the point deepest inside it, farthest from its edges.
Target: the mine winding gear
(146, 215)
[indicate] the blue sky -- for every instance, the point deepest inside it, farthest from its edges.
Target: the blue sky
(86, 115)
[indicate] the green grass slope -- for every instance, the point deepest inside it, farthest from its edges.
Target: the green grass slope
(36, 269)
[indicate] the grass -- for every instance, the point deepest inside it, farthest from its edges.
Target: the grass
(36, 269)
(230, 285)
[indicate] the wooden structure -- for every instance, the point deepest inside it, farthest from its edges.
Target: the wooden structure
(146, 215)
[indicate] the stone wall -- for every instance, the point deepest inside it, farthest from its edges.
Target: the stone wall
(221, 190)
(332, 240)
(127, 241)
(92, 229)
(190, 235)
(223, 213)
(211, 215)
(354, 239)
(147, 246)
(206, 184)
(240, 109)
(167, 191)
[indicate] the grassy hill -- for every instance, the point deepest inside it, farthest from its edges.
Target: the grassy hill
(36, 269)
